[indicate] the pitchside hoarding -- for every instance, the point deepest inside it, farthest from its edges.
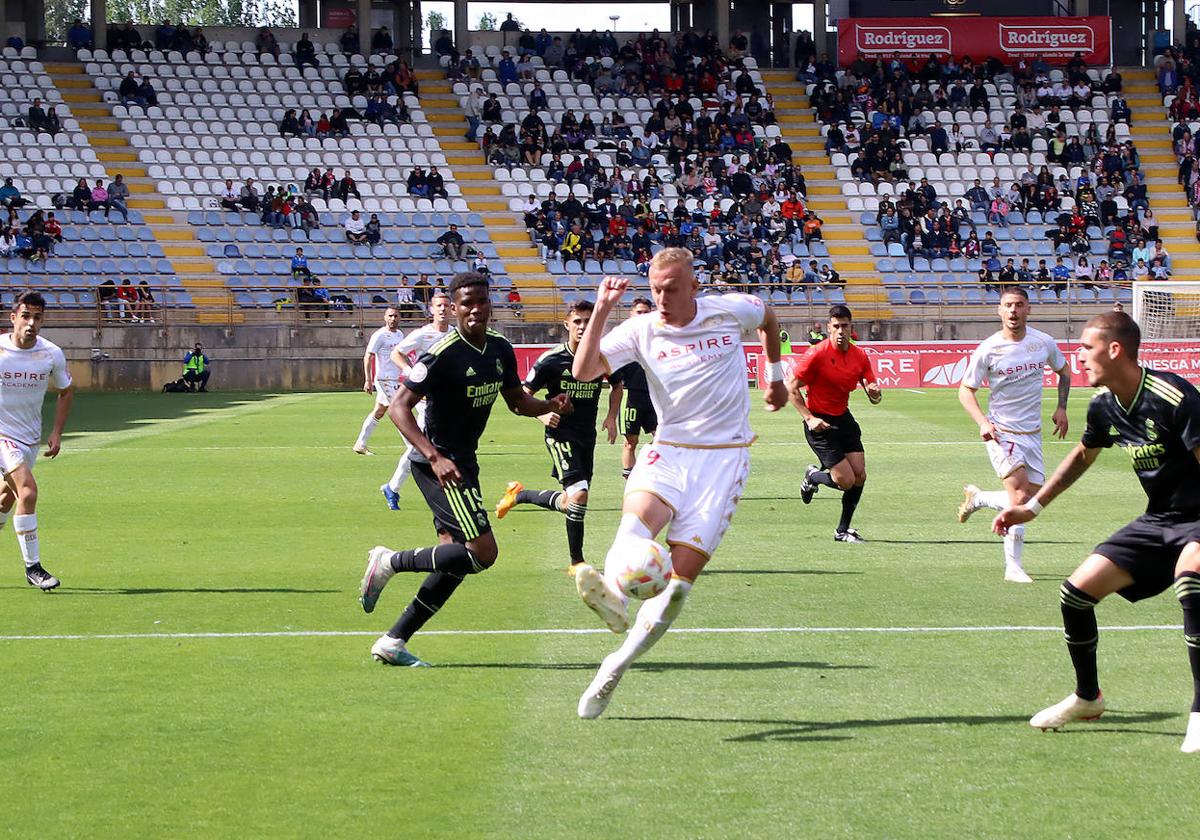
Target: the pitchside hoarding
(1054, 39)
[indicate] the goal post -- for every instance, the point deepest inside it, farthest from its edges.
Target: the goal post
(1167, 308)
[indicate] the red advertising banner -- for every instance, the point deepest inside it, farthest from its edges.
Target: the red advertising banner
(339, 17)
(941, 364)
(1053, 39)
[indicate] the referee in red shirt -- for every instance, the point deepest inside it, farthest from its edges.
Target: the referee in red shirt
(831, 371)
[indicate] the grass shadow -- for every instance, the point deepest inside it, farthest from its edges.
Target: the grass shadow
(658, 667)
(122, 410)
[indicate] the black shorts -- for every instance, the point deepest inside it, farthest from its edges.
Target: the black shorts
(832, 444)
(638, 415)
(1148, 548)
(457, 511)
(571, 460)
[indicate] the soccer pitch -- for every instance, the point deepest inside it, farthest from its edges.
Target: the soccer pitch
(204, 669)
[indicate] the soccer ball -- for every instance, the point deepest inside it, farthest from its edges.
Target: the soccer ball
(646, 571)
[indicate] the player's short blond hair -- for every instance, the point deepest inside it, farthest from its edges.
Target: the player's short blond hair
(668, 257)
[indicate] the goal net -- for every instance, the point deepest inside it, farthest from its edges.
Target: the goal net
(1167, 308)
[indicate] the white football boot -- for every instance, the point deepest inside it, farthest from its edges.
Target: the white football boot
(1015, 574)
(1191, 741)
(1071, 709)
(603, 600)
(969, 503)
(378, 573)
(394, 652)
(595, 699)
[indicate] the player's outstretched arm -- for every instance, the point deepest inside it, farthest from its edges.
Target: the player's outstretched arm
(522, 402)
(776, 396)
(1059, 418)
(62, 408)
(1068, 472)
(970, 402)
(589, 364)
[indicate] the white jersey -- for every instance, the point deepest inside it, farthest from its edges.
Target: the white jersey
(381, 343)
(419, 341)
(1013, 372)
(696, 373)
(24, 377)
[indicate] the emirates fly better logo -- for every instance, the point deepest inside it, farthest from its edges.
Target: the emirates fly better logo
(892, 40)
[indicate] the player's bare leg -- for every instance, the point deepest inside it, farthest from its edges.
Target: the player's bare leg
(628, 454)
(368, 426)
(21, 486)
(656, 614)
(1187, 589)
(1096, 578)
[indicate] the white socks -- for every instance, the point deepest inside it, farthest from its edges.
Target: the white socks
(1014, 546)
(403, 468)
(368, 426)
(25, 524)
(993, 499)
(653, 619)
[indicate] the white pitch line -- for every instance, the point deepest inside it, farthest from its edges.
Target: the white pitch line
(571, 631)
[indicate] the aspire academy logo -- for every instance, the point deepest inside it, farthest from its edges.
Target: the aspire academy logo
(947, 374)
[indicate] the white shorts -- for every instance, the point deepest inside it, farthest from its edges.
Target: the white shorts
(1011, 451)
(13, 453)
(385, 389)
(701, 486)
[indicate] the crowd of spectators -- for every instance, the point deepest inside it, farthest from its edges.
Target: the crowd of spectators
(876, 109)
(34, 239)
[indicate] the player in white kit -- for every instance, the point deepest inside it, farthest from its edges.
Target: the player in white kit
(1012, 363)
(403, 356)
(691, 476)
(29, 365)
(380, 376)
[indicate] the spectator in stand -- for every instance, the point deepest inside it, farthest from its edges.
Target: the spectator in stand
(248, 197)
(314, 185)
(514, 303)
(305, 54)
(381, 41)
(349, 40)
(299, 265)
(99, 198)
(53, 229)
(127, 297)
(289, 126)
(118, 196)
(473, 107)
(36, 116)
(356, 229)
(436, 183)
(452, 243)
(418, 183)
(130, 91)
(264, 42)
(144, 309)
(10, 196)
(147, 92)
(79, 36)
(373, 230)
(346, 187)
(338, 126)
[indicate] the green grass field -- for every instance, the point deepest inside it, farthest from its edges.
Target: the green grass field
(245, 514)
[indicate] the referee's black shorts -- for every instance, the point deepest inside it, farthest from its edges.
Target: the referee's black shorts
(638, 415)
(457, 511)
(832, 445)
(571, 460)
(1148, 548)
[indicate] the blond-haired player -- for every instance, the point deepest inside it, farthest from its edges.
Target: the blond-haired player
(690, 478)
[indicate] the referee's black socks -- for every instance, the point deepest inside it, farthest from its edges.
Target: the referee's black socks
(1082, 635)
(849, 503)
(547, 499)
(434, 592)
(1187, 589)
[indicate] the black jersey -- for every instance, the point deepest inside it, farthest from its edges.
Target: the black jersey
(552, 371)
(460, 383)
(633, 377)
(1158, 432)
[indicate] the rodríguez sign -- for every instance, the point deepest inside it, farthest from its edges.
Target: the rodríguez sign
(1055, 39)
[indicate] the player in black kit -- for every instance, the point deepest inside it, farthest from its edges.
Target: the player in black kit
(460, 377)
(638, 415)
(1155, 417)
(571, 440)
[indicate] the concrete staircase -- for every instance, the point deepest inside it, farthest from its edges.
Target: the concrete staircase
(482, 192)
(197, 273)
(1151, 132)
(843, 234)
